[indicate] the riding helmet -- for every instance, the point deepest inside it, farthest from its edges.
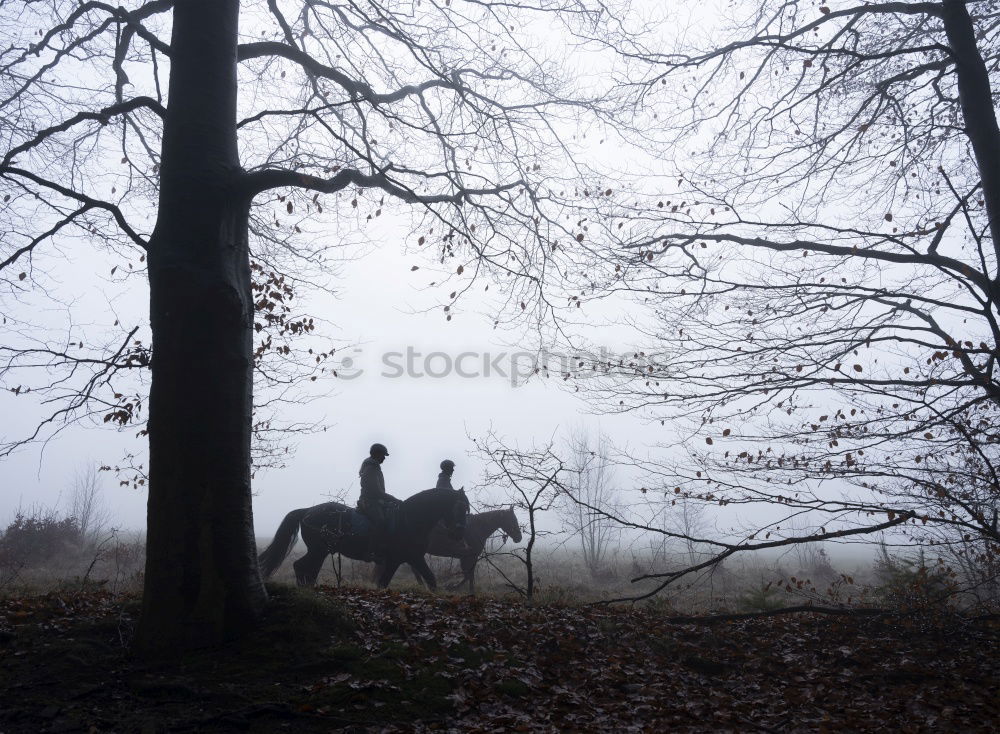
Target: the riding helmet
(447, 465)
(378, 449)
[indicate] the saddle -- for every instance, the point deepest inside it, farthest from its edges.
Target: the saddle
(341, 521)
(390, 509)
(338, 522)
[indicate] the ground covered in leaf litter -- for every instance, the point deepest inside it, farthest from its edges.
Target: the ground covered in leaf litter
(367, 660)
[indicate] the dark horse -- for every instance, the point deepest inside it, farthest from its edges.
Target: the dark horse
(477, 530)
(336, 528)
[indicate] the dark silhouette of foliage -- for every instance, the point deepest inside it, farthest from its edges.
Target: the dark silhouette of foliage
(36, 536)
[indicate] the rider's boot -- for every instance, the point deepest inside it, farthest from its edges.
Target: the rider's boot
(376, 540)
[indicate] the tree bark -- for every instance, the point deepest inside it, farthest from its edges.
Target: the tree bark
(202, 584)
(529, 566)
(976, 99)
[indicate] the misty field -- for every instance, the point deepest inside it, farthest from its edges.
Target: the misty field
(708, 658)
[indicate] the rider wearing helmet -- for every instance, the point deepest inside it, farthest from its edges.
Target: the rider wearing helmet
(444, 478)
(373, 495)
(444, 482)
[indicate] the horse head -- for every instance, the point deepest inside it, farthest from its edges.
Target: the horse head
(511, 526)
(456, 518)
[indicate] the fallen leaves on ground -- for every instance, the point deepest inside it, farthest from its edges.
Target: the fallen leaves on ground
(604, 667)
(405, 661)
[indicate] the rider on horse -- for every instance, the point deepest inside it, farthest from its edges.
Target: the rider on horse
(373, 494)
(444, 478)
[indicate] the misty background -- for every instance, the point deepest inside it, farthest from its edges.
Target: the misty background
(378, 306)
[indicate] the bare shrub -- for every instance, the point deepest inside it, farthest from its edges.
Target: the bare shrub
(978, 565)
(913, 583)
(589, 496)
(813, 562)
(530, 479)
(88, 505)
(10, 571)
(124, 562)
(685, 521)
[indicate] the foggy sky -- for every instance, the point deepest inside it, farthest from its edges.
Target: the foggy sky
(379, 309)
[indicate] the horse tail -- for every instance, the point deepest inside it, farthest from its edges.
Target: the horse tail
(284, 541)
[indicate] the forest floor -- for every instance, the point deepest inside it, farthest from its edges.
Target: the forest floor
(366, 660)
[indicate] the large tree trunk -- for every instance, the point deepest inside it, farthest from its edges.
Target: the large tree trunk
(976, 99)
(202, 584)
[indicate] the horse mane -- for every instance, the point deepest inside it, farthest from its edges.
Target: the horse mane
(480, 519)
(487, 515)
(492, 513)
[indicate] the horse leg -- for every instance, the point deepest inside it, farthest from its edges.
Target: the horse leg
(422, 570)
(308, 567)
(416, 574)
(388, 571)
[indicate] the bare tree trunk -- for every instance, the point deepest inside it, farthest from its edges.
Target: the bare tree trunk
(976, 99)
(202, 584)
(529, 589)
